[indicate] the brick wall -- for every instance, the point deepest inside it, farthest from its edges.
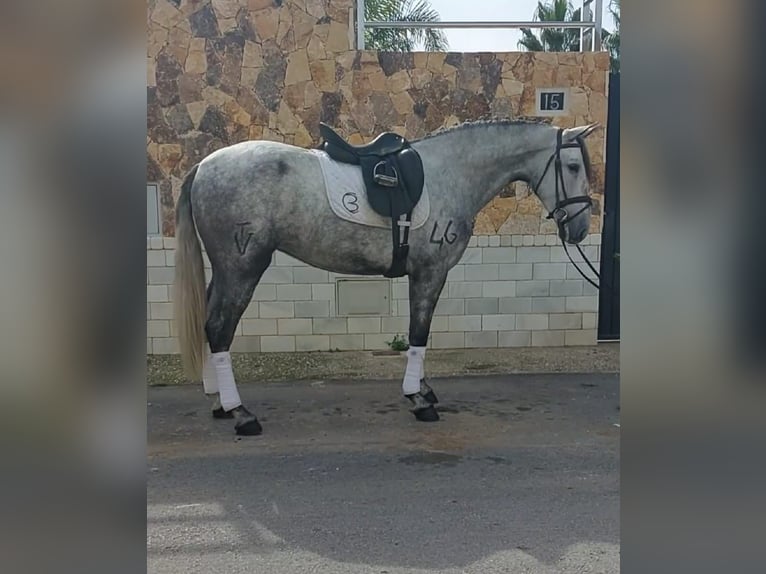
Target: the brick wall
(507, 291)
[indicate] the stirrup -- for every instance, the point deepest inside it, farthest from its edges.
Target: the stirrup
(382, 178)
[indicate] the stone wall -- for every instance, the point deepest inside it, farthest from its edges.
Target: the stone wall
(223, 71)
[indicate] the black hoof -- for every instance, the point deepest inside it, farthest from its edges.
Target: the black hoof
(430, 396)
(249, 428)
(427, 415)
(219, 413)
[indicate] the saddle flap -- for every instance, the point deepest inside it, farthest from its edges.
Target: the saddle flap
(380, 197)
(393, 201)
(411, 172)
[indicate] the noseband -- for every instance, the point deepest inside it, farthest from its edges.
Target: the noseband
(559, 214)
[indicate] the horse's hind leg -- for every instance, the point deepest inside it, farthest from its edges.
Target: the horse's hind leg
(209, 379)
(425, 288)
(229, 295)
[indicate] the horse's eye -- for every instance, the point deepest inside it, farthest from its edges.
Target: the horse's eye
(573, 167)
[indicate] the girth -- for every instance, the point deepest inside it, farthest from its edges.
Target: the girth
(393, 178)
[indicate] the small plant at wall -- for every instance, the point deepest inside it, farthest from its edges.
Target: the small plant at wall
(398, 343)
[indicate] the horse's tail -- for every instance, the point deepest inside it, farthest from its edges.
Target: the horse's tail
(189, 288)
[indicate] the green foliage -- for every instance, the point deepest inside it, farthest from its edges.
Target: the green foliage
(611, 40)
(568, 39)
(553, 39)
(398, 343)
(403, 40)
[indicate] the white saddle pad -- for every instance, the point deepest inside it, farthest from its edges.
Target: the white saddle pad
(348, 197)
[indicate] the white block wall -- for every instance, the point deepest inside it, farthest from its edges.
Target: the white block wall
(507, 291)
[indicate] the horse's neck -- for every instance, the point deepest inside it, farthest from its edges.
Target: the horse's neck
(482, 159)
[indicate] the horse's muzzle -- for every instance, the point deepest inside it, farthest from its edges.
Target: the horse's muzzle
(574, 230)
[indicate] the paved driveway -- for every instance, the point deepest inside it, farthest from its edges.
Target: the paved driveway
(520, 475)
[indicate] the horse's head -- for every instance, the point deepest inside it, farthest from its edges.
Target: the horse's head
(562, 183)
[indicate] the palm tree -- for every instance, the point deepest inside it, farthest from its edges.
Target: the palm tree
(611, 40)
(553, 39)
(400, 39)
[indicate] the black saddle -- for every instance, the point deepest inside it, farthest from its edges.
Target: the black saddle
(393, 178)
(385, 144)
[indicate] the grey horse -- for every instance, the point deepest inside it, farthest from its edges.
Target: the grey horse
(278, 189)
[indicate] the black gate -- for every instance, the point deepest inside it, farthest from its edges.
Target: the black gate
(609, 294)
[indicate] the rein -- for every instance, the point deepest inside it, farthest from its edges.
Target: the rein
(559, 214)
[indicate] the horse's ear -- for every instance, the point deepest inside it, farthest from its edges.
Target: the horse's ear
(581, 132)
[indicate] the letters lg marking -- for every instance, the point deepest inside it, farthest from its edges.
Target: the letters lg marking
(448, 236)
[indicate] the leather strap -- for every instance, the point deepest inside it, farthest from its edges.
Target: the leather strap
(399, 198)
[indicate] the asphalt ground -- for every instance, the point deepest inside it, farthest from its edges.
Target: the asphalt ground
(520, 475)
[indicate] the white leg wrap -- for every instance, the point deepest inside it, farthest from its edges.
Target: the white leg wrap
(209, 380)
(415, 359)
(225, 377)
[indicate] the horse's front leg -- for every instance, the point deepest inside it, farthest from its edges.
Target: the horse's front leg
(425, 288)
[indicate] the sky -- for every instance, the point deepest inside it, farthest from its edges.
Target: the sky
(495, 40)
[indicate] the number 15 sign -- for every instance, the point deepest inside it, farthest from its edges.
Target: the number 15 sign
(552, 101)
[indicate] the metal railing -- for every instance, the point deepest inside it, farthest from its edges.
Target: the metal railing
(587, 25)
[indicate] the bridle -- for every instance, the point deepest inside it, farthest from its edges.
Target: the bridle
(559, 214)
